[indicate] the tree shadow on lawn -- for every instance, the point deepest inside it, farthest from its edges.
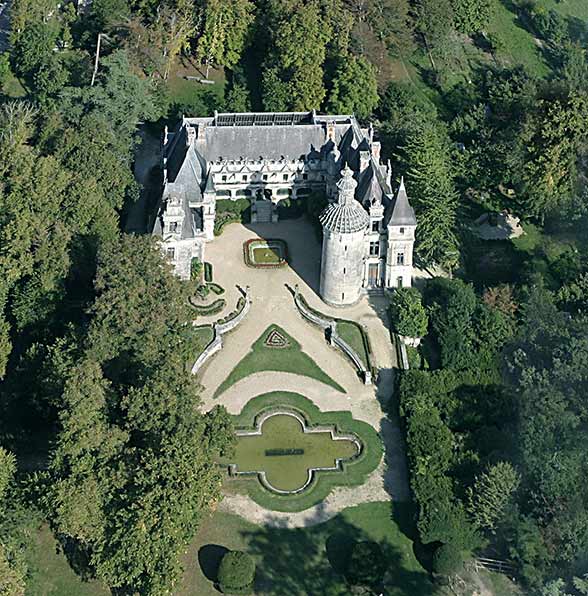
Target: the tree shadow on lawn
(312, 561)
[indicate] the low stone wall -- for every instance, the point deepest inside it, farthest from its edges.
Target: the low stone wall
(230, 325)
(211, 349)
(330, 326)
(219, 330)
(310, 315)
(351, 354)
(401, 352)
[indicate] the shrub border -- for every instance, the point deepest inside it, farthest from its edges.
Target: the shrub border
(208, 310)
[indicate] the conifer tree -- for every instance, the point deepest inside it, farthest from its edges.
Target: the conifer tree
(433, 194)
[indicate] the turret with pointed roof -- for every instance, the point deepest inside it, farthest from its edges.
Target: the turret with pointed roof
(402, 223)
(401, 213)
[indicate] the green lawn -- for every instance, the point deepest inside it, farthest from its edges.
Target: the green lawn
(300, 452)
(351, 334)
(266, 256)
(50, 573)
(353, 474)
(191, 98)
(308, 561)
(287, 359)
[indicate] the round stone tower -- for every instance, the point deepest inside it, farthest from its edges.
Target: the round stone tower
(344, 226)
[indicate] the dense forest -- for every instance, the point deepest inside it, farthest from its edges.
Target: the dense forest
(96, 440)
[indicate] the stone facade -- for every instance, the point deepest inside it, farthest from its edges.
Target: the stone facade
(269, 157)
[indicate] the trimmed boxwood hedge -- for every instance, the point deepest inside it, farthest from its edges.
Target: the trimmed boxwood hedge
(216, 288)
(210, 309)
(207, 272)
(354, 472)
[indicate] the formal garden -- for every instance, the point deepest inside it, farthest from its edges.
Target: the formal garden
(301, 454)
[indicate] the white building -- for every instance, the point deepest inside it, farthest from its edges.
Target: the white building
(267, 157)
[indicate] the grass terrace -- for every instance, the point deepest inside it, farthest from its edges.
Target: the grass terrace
(288, 454)
(310, 560)
(276, 350)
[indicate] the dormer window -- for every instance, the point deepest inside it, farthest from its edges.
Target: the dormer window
(285, 177)
(244, 177)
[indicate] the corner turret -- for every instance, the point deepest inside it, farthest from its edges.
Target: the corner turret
(401, 224)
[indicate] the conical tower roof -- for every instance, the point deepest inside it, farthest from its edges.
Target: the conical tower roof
(346, 216)
(402, 213)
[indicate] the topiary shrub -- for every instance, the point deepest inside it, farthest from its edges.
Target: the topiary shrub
(236, 573)
(367, 564)
(196, 270)
(447, 560)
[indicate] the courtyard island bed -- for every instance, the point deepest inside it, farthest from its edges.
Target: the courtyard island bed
(265, 254)
(290, 455)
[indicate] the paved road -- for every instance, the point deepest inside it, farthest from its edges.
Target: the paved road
(4, 25)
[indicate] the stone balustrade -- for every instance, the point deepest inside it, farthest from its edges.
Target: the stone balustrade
(330, 326)
(221, 329)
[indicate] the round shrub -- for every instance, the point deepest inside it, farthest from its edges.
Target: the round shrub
(236, 573)
(367, 564)
(447, 560)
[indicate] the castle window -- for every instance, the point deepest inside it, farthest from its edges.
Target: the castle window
(374, 249)
(343, 296)
(400, 258)
(304, 176)
(345, 248)
(399, 282)
(173, 227)
(402, 230)
(171, 253)
(224, 178)
(375, 226)
(265, 176)
(285, 176)
(344, 270)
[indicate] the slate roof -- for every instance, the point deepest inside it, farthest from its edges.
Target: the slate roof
(402, 213)
(270, 142)
(275, 136)
(346, 216)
